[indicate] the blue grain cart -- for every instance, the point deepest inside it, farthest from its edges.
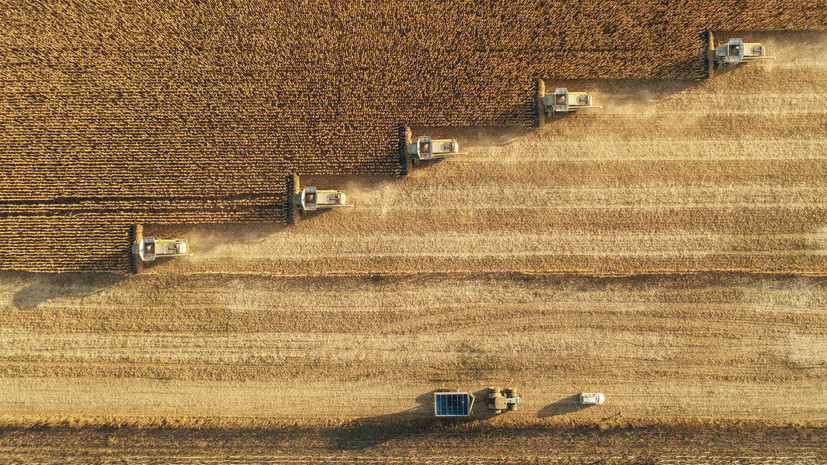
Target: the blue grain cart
(453, 404)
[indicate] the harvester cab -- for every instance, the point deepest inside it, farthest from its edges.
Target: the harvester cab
(499, 400)
(149, 248)
(312, 199)
(562, 101)
(426, 148)
(736, 51)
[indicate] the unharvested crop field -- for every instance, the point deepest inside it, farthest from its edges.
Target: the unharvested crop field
(669, 249)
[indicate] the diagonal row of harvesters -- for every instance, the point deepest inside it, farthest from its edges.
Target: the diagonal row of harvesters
(308, 199)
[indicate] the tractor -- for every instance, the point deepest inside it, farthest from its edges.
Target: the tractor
(499, 400)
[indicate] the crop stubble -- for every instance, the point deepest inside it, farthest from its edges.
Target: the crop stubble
(240, 346)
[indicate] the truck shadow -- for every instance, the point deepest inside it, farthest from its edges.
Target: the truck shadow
(563, 406)
(370, 432)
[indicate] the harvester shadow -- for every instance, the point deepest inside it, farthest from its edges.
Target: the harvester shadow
(39, 288)
(563, 406)
(723, 70)
(554, 117)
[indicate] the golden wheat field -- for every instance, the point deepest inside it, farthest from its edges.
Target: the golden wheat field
(668, 249)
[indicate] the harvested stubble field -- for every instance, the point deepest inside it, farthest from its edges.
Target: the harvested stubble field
(349, 364)
(327, 339)
(108, 101)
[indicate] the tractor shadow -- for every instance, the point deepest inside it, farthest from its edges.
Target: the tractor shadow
(563, 406)
(38, 288)
(419, 421)
(364, 433)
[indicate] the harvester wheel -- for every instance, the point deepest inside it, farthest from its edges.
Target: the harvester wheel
(512, 407)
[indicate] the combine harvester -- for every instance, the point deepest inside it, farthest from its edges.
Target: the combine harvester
(561, 101)
(733, 52)
(736, 51)
(311, 199)
(147, 249)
